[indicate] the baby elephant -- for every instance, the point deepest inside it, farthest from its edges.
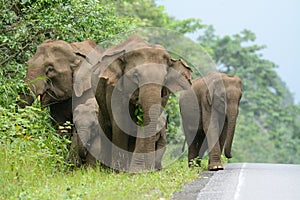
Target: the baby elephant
(209, 112)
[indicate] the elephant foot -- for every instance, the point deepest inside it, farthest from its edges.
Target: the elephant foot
(158, 166)
(215, 166)
(142, 162)
(118, 167)
(137, 168)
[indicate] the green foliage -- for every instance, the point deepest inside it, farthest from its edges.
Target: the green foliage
(174, 131)
(34, 164)
(149, 14)
(25, 24)
(28, 140)
(138, 112)
(28, 183)
(196, 162)
(34, 157)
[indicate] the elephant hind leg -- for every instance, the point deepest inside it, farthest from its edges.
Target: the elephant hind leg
(197, 149)
(215, 166)
(215, 163)
(202, 145)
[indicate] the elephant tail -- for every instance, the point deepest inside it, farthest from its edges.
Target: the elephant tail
(227, 152)
(183, 146)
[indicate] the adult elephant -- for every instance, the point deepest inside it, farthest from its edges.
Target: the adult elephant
(57, 72)
(209, 113)
(137, 74)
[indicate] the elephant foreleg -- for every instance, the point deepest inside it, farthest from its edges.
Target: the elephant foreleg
(120, 153)
(160, 148)
(94, 149)
(142, 160)
(74, 155)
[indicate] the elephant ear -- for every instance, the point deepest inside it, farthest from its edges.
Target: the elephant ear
(179, 75)
(88, 54)
(113, 61)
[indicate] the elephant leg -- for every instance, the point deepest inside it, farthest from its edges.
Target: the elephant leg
(83, 135)
(142, 160)
(192, 153)
(103, 97)
(223, 136)
(203, 146)
(74, 155)
(131, 146)
(90, 160)
(160, 148)
(197, 149)
(119, 149)
(105, 133)
(191, 121)
(214, 149)
(131, 143)
(94, 149)
(120, 139)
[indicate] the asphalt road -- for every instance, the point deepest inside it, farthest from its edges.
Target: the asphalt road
(245, 181)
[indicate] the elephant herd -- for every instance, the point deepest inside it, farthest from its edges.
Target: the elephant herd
(100, 91)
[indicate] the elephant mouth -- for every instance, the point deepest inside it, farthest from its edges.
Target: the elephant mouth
(48, 98)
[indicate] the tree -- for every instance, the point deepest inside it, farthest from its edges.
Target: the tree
(149, 14)
(25, 24)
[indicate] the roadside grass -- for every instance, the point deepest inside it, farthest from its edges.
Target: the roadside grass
(22, 178)
(33, 164)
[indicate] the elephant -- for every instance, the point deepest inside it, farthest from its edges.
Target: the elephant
(135, 73)
(59, 74)
(209, 112)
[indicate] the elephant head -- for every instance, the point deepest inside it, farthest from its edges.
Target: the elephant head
(223, 96)
(52, 69)
(142, 74)
(56, 72)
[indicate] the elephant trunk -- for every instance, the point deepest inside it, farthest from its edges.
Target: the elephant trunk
(144, 153)
(37, 87)
(25, 99)
(231, 117)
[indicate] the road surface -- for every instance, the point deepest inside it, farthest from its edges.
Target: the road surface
(245, 181)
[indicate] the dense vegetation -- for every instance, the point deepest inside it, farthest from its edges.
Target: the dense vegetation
(34, 157)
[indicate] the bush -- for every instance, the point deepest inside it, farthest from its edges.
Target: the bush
(27, 135)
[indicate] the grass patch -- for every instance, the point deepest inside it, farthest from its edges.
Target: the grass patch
(33, 165)
(21, 178)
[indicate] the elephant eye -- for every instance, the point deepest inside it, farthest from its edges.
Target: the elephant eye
(49, 69)
(136, 74)
(223, 97)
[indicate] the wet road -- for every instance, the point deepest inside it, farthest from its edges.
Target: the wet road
(246, 181)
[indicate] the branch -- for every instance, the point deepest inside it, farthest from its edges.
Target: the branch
(14, 55)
